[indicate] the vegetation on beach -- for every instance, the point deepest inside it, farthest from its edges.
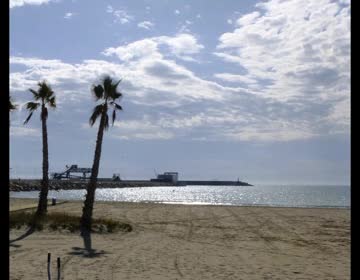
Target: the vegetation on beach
(63, 221)
(44, 98)
(107, 93)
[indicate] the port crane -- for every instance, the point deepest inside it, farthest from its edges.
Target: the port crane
(72, 169)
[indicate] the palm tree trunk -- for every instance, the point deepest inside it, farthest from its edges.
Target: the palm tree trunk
(86, 218)
(42, 206)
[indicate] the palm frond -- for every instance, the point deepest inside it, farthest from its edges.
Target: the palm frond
(45, 90)
(96, 113)
(113, 117)
(117, 95)
(35, 94)
(114, 94)
(28, 118)
(98, 92)
(107, 82)
(32, 106)
(117, 106)
(52, 102)
(106, 90)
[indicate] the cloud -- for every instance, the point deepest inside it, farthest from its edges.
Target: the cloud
(247, 19)
(292, 84)
(140, 129)
(165, 100)
(145, 24)
(120, 16)
(297, 52)
(20, 3)
(177, 12)
(69, 15)
(235, 78)
(182, 46)
(136, 50)
(21, 131)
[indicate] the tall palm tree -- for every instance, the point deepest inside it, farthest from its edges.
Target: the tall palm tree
(45, 98)
(107, 93)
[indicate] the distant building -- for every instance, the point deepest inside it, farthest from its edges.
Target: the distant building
(170, 177)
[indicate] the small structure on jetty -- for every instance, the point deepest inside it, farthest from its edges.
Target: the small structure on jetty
(168, 177)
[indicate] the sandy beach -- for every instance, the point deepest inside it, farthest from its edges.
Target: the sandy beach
(191, 242)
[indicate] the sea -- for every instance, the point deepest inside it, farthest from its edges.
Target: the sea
(326, 196)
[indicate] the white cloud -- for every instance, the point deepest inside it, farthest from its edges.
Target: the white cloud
(120, 16)
(235, 78)
(184, 29)
(140, 129)
(145, 24)
(177, 12)
(229, 21)
(109, 9)
(21, 131)
(303, 73)
(339, 117)
(69, 15)
(181, 45)
(136, 50)
(248, 19)
(299, 51)
(20, 3)
(170, 95)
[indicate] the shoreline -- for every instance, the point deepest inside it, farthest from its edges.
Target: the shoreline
(59, 201)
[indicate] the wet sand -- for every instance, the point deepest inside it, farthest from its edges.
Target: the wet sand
(192, 242)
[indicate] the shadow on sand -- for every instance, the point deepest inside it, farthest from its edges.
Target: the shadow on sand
(87, 251)
(30, 230)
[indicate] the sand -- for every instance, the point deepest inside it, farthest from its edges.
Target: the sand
(192, 242)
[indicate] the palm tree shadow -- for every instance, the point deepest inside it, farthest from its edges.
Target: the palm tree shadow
(87, 251)
(30, 230)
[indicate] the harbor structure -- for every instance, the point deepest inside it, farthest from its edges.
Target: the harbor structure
(170, 177)
(68, 173)
(167, 178)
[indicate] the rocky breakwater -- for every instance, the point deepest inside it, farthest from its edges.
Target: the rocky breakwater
(35, 185)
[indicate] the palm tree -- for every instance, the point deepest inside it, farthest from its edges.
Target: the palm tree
(46, 98)
(12, 106)
(107, 93)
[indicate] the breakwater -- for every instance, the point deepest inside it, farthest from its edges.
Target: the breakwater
(17, 185)
(214, 183)
(35, 185)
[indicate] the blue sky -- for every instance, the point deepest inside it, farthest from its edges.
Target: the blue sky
(258, 90)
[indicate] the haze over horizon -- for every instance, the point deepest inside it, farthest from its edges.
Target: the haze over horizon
(255, 90)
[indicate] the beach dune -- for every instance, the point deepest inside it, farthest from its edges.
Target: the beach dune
(192, 242)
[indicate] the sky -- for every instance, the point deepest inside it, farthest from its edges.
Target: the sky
(255, 90)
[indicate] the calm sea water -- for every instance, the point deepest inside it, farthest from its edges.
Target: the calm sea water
(274, 195)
